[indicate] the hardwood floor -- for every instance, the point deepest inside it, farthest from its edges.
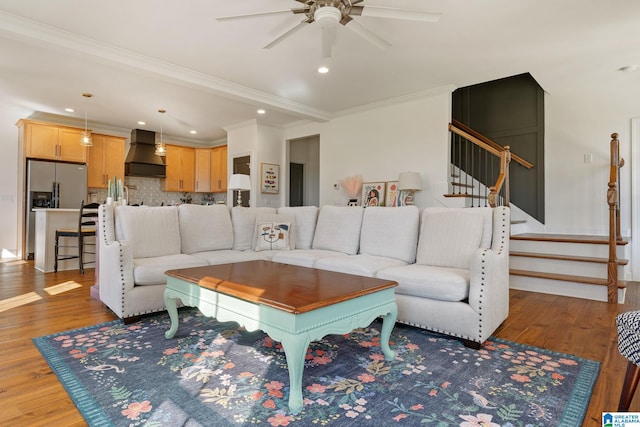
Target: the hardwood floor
(31, 394)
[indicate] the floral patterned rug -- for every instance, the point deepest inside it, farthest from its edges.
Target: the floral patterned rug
(216, 374)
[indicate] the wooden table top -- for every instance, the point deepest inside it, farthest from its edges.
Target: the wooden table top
(286, 287)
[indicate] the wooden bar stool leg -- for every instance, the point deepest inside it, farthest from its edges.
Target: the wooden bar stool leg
(80, 249)
(629, 386)
(55, 262)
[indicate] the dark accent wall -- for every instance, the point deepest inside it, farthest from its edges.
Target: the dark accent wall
(510, 111)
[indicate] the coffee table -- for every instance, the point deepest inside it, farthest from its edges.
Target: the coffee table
(293, 305)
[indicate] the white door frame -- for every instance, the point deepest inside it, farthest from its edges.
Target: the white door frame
(635, 199)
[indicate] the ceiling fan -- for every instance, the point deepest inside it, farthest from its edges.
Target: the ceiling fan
(329, 13)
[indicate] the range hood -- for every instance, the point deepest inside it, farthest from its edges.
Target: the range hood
(141, 159)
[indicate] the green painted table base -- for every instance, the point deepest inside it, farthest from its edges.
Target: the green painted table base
(294, 331)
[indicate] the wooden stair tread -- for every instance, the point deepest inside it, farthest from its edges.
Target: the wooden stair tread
(475, 196)
(566, 277)
(566, 257)
(567, 238)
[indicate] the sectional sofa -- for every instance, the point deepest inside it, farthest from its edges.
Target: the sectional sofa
(451, 264)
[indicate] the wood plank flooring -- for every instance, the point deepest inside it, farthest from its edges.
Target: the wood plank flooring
(31, 394)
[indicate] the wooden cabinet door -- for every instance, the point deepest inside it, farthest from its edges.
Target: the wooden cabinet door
(203, 170)
(174, 168)
(105, 160)
(41, 141)
(219, 169)
(188, 169)
(70, 149)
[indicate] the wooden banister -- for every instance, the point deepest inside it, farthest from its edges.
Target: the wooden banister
(482, 141)
(615, 236)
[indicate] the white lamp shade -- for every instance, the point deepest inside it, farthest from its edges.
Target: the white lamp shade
(239, 182)
(410, 181)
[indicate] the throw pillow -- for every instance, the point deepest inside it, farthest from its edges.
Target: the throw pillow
(272, 236)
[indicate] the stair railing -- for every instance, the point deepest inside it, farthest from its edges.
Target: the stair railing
(615, 236)
(480, 167)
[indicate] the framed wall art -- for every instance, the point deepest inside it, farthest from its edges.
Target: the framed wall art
(269, 178)
(373, 193)
(391, 199)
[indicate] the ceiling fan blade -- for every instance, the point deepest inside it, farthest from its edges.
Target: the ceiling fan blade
(257, 14)
(286, 34)
(365, 33)
(395, 13)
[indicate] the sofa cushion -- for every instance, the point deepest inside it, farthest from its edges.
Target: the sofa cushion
(303, 257)
(362, 265)
(338, 229)
(150, 271)
(204, 228)
(391, 233)
(305, 218)
(226, 256)
(151, 231)
(450, 236)
(425, 281)
(244, 222)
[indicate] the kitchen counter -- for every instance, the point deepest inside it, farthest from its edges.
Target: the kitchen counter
(47, 222)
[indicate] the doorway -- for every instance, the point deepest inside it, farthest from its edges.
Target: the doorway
(296, 184)
(304, 171)
(242, 165)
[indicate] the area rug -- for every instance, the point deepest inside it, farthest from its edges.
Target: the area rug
(217, 374)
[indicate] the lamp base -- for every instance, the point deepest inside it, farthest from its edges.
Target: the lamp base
(239, 199)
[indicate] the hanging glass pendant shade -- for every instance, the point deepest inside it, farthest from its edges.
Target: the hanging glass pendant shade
(85, 139)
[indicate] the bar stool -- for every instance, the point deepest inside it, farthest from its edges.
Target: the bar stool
(629, 346)
(87, 222)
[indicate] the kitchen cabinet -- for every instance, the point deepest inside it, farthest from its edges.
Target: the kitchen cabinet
(180, 168)
(105, 159)
(219, 169)
(52, 142)
(203, 170)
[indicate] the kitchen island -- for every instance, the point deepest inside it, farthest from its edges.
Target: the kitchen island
(47, 222)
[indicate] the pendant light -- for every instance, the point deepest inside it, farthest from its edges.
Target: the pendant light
(85, 139)
(161, 150)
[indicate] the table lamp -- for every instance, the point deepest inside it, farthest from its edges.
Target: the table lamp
(239, 182)
(409, 182)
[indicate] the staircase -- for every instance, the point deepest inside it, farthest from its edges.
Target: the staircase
(567, 265)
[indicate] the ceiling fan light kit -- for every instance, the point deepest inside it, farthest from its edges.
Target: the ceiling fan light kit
(330, 13)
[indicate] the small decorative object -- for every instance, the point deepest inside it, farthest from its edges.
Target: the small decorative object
(240, 183)
(270, 178)
(391, 200)
(373, 193)
(186, 198)
(352, 186)
(408, 184)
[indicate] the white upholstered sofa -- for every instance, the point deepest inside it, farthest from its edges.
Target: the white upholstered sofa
(451, 264)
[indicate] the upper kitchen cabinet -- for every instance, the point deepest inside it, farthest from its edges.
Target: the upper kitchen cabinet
(219, 169)
(180, 168)
(52, 142)
(203, 170)
(105, 159)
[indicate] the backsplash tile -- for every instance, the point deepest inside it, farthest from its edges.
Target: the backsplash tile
(148, 191)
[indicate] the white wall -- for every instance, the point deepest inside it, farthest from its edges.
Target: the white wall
(380, 142)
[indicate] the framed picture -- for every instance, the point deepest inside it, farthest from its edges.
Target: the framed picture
(373, 193)
(269, 178)
(391, 199)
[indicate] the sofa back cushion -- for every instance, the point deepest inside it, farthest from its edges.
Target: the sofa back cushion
(390, 232)
(244, 223)
(151, 231)
(204, 228)
(450, 236)
(338, 229)
(305, 218)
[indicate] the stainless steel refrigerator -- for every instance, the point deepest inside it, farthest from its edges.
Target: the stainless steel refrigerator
(52, 185)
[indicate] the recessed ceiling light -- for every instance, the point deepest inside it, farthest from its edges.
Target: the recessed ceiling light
(629, 68)
(261, 111)
(69, 110)
(142, 123)
(193, 132)
(323, 69)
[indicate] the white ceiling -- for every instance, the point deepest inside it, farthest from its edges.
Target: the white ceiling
(138, 56)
